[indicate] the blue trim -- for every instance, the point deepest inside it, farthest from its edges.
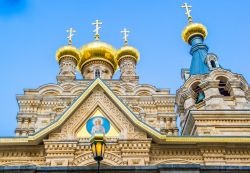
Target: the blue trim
(199, 53)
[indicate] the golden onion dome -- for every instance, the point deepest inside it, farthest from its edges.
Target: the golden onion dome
(128, 50)
(98, 50)
(68, 51)
(192, 30)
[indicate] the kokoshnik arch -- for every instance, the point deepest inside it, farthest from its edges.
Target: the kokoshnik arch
(55, 121)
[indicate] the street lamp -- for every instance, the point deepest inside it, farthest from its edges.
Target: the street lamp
(98, 147)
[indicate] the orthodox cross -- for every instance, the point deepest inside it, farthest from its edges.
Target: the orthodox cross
(70, 31)
(97, 24)
(188, 11)
(125, 33)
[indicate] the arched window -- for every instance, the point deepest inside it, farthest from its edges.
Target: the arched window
(212, 61)
(200, 95)
(213, 64)
(97, 73)
(222, 86)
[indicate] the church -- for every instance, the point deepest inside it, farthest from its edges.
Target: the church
(56, 123)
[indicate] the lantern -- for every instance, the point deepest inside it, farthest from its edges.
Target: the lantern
(98, 147)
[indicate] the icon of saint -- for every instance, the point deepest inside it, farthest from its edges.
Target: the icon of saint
(97, 127)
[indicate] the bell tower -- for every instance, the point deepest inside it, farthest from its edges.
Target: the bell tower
(212, 101)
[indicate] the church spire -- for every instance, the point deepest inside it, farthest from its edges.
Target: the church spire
(194, 34)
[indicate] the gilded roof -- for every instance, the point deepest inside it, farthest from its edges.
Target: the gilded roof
(98, 50)
(68, 50)
(194, 29)
(128, 50)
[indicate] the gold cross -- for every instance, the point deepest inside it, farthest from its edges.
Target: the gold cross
(188, 11)
(125, 33)
(97, 24)
(71, 31)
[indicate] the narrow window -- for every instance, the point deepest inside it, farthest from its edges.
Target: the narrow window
(213, 63)
(222, 86)
(97, 73)
(200, 95)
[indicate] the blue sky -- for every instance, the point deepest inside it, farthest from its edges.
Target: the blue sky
(33, 30)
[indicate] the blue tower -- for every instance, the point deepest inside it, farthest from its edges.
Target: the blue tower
(194, 34)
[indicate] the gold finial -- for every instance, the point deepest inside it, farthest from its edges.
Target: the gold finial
(97, 24)
(70, 31)
(125, 32)
(188, 11)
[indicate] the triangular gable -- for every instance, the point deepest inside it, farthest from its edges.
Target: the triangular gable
(39, 135)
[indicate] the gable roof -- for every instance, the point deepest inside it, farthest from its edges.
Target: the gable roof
(37, 137)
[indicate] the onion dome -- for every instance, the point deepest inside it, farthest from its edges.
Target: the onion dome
(126, 51)
(68, 51)
(192, 30)
(98, 50)
(194, 34)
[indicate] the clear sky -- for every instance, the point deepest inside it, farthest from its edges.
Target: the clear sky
(33, 30)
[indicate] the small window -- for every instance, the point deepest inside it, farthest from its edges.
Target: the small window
(200, 95)
(222, 86)
(222, 89)
(97, 73)
(213, 64)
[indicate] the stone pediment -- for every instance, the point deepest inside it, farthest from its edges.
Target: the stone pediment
(99, 101)
(97, 97)
(98, 105)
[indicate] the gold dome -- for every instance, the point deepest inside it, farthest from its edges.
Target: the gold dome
(98, 50)
(127, 50)
(68, 50)
(194, 29)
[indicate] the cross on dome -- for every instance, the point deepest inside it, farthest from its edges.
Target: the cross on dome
(125, 32)
(71, 32)
(188, 11)
(97, 24)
